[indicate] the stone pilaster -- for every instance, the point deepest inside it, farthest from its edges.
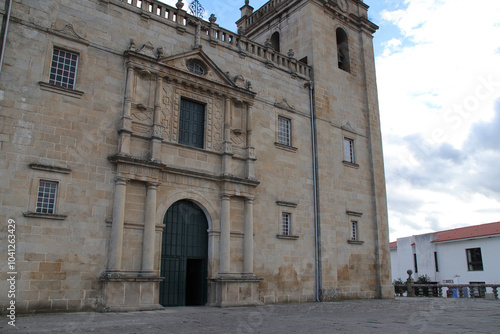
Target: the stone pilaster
(126, 123)
(227, 154)
(225, 235)
(248, 237)
(157, 128)
(116, 239)
(250, 169)
(148, 243)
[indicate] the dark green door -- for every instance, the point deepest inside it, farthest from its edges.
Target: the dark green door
(184, 256)
(192, 123)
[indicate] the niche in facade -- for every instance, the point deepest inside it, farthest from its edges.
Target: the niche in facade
(275, 41)
(343, 50)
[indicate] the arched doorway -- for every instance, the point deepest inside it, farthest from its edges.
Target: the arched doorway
(184, 256)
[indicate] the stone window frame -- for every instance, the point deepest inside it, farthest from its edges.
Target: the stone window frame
(204, 134)
(47, 197)
(61, 57)
(288, 147)
(196, 66)
(286, 223)
(210, 110)
(48, 174)
(275, 41)
(349, 133)
(286, 208)
(354, 230)
(354, 219)
(68, 45)
(350, 161)
(349, 151)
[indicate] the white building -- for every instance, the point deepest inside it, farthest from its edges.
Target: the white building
(459, 256)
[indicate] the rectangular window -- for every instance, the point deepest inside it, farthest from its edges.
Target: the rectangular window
(284, 131)
(436, 261)
(349, 150)
(192, 124)
(285, 223)
(354, 230)
(63, 69)
(474, 259)
(415, 262)
(46, 197)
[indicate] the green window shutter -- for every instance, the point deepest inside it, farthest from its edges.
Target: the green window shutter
(192, 124)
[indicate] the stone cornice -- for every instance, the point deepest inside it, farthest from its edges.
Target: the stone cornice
(148, 165)
(49, 168)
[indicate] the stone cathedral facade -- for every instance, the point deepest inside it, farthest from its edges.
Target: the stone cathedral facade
(150, 158)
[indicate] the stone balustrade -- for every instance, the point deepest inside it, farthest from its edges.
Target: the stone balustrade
(453, 290)
(266, 8)
(215, 35)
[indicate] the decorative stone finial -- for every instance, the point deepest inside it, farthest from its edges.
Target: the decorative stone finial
(291, 53)
(179, 4)
(268, 43)
(160, 52)
(132, 45)
(247, 2)
(212, 18)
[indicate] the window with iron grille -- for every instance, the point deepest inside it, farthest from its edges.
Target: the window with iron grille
(285, 223)
(349, 150)
(63, 68)
(195, 67)
(474, 259)
(284, 131)
(354, 230)
(46, 197)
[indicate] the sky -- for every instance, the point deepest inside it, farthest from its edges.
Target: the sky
(438, 78)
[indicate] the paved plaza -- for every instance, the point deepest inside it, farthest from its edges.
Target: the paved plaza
(402, 315)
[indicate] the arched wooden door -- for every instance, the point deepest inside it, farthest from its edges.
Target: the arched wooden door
(184, 256)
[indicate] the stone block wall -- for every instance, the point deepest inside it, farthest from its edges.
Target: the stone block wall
(68, 136)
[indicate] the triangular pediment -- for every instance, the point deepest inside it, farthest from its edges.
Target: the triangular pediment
(197, 63)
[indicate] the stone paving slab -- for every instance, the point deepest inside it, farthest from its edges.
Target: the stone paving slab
(402, 315)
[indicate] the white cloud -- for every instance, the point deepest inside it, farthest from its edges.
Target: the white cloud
(437, 80)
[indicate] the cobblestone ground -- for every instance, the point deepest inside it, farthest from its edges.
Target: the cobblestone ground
(402, 315)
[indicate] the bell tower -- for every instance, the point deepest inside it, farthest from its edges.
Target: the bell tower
(335, 38)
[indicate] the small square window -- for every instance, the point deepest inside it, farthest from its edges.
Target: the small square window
(285, 223)
(284, 131)
(46, 197)
(349, 150)
(63, 68)
(474, 259)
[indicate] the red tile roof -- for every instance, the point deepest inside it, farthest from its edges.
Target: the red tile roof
(394, 244)
(469, 232)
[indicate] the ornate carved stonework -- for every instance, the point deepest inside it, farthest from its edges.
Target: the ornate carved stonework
(218, 125)
(148, 50)
(141, 114)
(142, 130)
(238, 138)
(228, 147)
(157, 131)
(68, 31)
(143, 89)
(166, 110)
